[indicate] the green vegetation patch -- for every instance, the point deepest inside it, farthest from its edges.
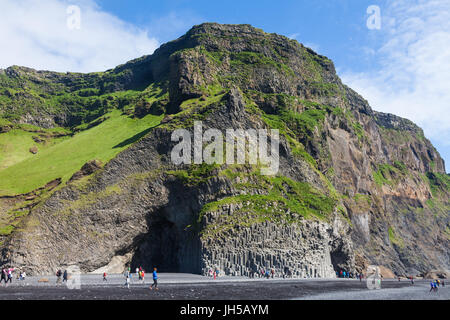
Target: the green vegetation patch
(248, 58)
(15, 144)
(386, 174)
(61, 160)
(393, 136)
(195, 174)
(293, 125)
(395, 239)
(88, 199)
(363, 201)
(79, 98)
(439, 183)
(285, 200)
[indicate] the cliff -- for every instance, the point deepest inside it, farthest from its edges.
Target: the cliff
(354, 187)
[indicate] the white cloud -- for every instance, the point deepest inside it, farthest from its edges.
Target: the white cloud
(35, 34)
(315, 47)
(414, 78)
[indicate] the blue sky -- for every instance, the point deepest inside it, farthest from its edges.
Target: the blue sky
(401, 68)
(336, 28)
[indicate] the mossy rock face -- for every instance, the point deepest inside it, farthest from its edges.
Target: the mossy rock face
(5, 129)
(351, 181)
(439, 183)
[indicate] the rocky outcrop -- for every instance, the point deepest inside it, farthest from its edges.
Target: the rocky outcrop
(437, 274)
(5, 128)
(133, 208)
(305, 250)
(87, 169)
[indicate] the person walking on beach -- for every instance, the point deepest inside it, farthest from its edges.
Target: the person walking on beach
(143, 275)
(104, 277)
(433, 286)
(127, 278)
(65, 276)
(129, 273)
(3, 276)
(155, 280)
(9, 275)
(58, 276)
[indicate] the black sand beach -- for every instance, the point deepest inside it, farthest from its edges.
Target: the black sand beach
(194, 287)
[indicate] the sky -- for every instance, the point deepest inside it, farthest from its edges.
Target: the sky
(395, 53)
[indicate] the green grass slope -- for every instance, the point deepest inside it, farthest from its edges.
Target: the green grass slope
(15, 145)
(22, 172)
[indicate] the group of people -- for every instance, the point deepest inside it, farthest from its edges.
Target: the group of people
(140, 273)
(264, 273)
(434, 284)
(213, 274)
(7, 275)
(348, 275)
(64, 275)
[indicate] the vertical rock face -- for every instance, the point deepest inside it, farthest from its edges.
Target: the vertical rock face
(354, 186)
(306, 250)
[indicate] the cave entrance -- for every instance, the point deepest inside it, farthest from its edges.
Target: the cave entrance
(339, 259)
(159, 248)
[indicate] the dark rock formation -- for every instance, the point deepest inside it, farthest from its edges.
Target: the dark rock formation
(87, 169)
